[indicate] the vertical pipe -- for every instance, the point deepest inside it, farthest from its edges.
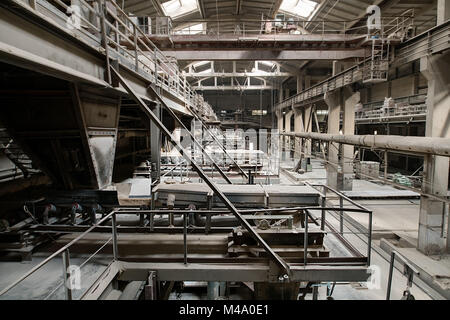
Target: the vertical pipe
(391, 269)
(66, 274)
(114, 237)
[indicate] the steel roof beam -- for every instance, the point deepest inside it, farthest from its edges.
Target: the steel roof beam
(269, 54)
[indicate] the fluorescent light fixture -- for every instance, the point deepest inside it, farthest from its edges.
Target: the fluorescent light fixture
(176, 8)
(302, 8)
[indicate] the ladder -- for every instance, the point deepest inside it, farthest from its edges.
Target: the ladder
(377, 66)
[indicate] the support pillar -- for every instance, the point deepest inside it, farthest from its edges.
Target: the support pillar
(308, 128)
(348, 127)
(280, 128)
(287, 129)
(299, 83)
(436, 168)
(337, 67)
(333, 100)
(298, 127)
(443, 11)
(155, 145)
(307, 82)
(280, 94)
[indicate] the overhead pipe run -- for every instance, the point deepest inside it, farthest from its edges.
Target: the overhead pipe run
(423, 145)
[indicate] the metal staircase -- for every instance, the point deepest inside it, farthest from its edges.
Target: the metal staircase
(16, 155)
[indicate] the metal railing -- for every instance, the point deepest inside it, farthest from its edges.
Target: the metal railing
(248, 27)
(341, 212)
(407, 100)
(65, 255)
(112, 216)
(403, 106)
(104, 23)
(430, 42)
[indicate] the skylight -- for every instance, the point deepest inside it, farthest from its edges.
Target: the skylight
(194, 29)
(206, 71)
(301, 8)
(176, 8)
(200, 63)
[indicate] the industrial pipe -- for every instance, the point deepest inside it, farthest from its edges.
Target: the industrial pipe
(423, 145)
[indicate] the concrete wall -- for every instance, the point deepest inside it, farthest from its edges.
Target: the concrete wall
(402, 87)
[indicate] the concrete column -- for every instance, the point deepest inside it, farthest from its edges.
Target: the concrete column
(298, 127)
(443, 11)
(155, 145)
(436, 168)
(307, 82)
(348, 127)
(308, 128)
(287, 129)
(299, 83)
(337, 67)
(333, 100)
(279, 115)
(280, 128)
(280, 94)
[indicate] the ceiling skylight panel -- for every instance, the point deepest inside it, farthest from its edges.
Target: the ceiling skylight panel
(176, 8)
(302, 8)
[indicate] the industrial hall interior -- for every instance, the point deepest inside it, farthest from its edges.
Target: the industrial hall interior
(224, 150)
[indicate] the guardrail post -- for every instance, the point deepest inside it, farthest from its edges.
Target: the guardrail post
(341, 215)
(136, 57)
(369, 239)
(66, 274)
(323, 218)
(114, 237)
(185, 237)
(305, 239)
(391, 269)
(209, 199)
(156, 66)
